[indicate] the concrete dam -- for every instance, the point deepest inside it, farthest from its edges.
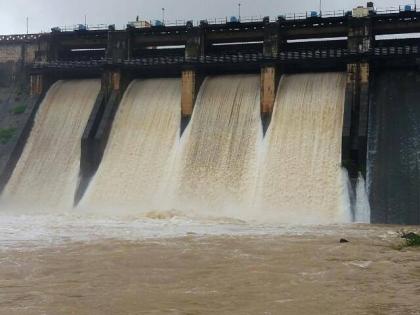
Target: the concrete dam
(303, 120)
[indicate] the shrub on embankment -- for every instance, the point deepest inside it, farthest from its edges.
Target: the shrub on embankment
(20, 109)
(6, 134)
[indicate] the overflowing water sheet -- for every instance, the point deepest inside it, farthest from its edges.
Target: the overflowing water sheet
(301, 180)
(137, 160)
(362, 210)
(217, 162)
(221, 169)
(46, 175)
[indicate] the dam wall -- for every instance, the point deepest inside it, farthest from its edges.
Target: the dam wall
(394, 148)
(270, 51)
(21, 52)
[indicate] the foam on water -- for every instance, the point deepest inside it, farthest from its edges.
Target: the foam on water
(28, 231)
(362, 206)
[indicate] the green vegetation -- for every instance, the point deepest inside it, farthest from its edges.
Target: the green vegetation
(20, 109)
(410, 239)
(6, 134)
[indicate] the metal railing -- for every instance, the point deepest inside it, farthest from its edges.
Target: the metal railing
(19, 37)
(217, 21)
(241, 57)
(80, 27)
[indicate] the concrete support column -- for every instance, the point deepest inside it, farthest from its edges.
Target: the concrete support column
(269, 82)
(119, 47)
(360, 35)
(349, 151)
(195, 45)
(190, 86)
(356, 112)
(115, 80)
(356, 116)
(37, 84)
(364, 73)
(272, 40)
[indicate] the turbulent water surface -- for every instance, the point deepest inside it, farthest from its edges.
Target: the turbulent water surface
(196, 224)
(86, 266)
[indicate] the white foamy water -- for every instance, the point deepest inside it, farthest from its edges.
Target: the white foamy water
(217, 163)
(28, 231)
(301, 178)
(137, 160)
(362, 206)
(46, 175)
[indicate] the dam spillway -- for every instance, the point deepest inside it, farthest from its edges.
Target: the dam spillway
(276, 166)
(46, 176)
(301, 177)
(139, 153)
(216, 167)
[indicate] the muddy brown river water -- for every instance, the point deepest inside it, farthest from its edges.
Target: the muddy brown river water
(292, 273)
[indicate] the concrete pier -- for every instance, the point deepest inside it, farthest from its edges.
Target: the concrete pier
(98, 128)
(356, 113)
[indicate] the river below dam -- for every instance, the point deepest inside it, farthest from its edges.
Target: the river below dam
(165, 264)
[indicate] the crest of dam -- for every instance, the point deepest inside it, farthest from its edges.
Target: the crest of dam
(222, 165)
(46, 174)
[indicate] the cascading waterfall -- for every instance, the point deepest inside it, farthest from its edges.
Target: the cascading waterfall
(217, 164)
(222, 166)
(301, 180)
(137, 160)
(47, 173)
(362, 206)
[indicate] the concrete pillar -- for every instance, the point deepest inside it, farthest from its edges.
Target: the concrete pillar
(190, 86)
(115, 80)
(272, 40)
(195, 45)
(349, 161)
(356, 116)
(37, 84)
(360, 35)
(119, 48)
(364, 73)
(112, 81)
(356, 112)
(269, 82)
